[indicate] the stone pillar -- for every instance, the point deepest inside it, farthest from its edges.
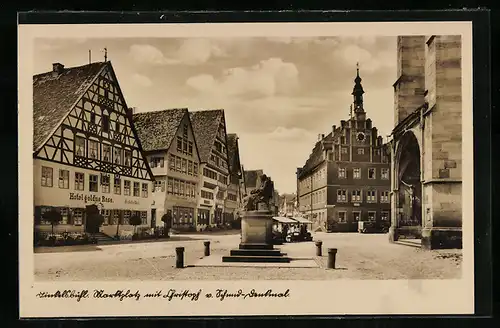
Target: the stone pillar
(410, 86)
(443, 177)
(393, 235)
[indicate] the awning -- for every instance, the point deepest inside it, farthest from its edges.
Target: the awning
(283, 219)
(302, 220)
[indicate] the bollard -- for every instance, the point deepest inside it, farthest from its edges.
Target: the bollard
(207, 248)
(179, 264)
(319, 243)
(332, 256)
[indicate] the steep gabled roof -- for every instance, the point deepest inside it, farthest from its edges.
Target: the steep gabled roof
(54, 96)
(157, 130)
(252, 177)
(316, 157)
(205, 126)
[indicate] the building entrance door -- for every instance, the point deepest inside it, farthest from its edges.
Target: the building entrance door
(408, 205)
(153, 217)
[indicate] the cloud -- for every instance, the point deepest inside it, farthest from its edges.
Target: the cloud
(267, 78)
(142, 80)
(145, 53)
(192, 51)
(289, 134)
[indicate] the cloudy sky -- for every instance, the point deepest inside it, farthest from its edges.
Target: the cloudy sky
(278, 93)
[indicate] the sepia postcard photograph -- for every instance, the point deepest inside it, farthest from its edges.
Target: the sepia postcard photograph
(246, 169)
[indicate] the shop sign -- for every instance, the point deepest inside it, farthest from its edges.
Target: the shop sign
(90, 198)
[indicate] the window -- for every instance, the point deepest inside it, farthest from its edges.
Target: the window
(330, 156)
(372, 216)
(342, 140)
(341, 195)
(371, 196)
(117, 127)
(116, 217)
(128, 158)
(157, 162)
(193, 190)
(188, 189)
(342, 217)
(190, 148)
(117, 185)
(343, 150)
(356, 196)
(77, 216)
(64, 179)
(356, 173)
(190, 168)
(384, 174)
(341, 172)
(184, 146)
(79, 181)
(144, 217)
(105, 123)
(384, 216)
(371, 173)
(195, 168)
(182, 188)
(384, 197)
(79, 146)
(136, 189)
(106, 215)
(93, 183)
(159, 185)
(220, 195)
(179, 144)
(207, 195)
(185, 130)
(93, 149)
(106, 153)
(145, 190)
(361, 151)
(64, 211)
(92, 117)
(170, 186)
(126, 216)
(210, 174)
(117, 156)
(126, 187)
(105, 182)
(178, 164)
(47, 176)
(176, 187)
(184, 166)
(171, 162)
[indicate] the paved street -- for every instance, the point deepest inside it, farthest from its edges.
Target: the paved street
(360, 256)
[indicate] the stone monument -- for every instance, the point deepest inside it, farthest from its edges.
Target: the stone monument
(256, 228)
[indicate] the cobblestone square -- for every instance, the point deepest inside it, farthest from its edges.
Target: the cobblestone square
(360, 256)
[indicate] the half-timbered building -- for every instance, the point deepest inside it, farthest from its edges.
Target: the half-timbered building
(210, 133)
(235, 192)
(168, 141)
(86, 150)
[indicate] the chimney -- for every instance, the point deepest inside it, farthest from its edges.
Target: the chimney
(57, 68)
(322, 136)
(368, 123)
(334, 127)
(131, 110)
(319, 137)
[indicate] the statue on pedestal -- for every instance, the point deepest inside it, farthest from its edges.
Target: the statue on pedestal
(261, 195)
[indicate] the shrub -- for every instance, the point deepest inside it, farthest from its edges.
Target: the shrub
(53, 216)
(135, 220)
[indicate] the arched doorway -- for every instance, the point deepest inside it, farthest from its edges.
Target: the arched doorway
(409, 200)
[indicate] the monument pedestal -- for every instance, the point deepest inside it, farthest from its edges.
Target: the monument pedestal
(256, 240)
